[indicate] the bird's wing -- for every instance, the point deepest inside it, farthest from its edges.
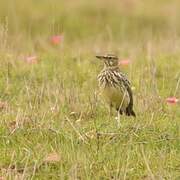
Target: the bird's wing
(127, 85)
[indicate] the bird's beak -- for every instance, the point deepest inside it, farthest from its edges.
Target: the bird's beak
(99, 56)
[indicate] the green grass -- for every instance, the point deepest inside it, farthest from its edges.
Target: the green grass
(53, 106)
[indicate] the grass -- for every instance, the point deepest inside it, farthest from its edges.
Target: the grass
(53, 106)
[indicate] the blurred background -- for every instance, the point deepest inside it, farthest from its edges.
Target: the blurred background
(94, 25)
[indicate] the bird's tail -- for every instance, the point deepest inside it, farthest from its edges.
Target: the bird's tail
(130, 112)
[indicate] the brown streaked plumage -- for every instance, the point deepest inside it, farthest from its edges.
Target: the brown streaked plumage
(114, 86)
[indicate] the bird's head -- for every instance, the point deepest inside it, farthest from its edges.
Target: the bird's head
(109, 60)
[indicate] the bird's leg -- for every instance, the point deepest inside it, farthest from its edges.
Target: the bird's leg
(110, 110)
(119, 113)
(118, 119)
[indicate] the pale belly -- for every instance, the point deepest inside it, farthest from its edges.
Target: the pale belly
(116, 97)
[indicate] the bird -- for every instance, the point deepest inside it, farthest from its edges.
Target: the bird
(115, 87)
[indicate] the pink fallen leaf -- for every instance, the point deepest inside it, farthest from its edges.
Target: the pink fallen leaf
(52, 158)
(172, 100)
(31, 59)
(124, 62)
(56, 39)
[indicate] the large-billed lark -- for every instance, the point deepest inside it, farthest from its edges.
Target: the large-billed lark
(115, 87)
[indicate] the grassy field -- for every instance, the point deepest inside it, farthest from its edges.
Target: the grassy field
(53, 125)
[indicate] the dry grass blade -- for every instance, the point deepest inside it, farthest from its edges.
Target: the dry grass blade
(147, 164)
(53, 157)
(77, 132)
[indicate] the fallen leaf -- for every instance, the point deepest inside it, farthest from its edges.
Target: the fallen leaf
(56, 39)
(31, 59)
(172, 100)
(52, 158)
(124, 62)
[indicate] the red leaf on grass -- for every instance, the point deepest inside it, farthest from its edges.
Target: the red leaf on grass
(31, 59)
(56, 39)
(124, 62)
(172, 100)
